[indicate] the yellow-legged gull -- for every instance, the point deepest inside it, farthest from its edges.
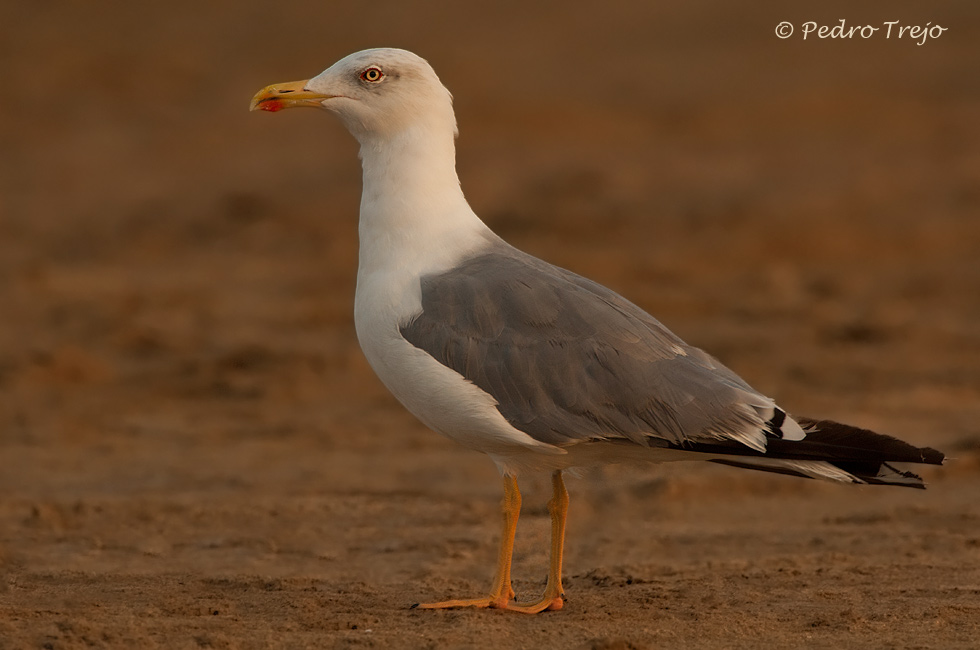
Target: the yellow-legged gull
(538, 367)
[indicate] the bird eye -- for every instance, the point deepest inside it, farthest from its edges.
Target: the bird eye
(372, 74)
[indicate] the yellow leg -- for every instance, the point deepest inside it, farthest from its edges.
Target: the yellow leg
(501, 592)
(553, 591)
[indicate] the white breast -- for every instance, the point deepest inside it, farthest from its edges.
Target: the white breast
(415, 221)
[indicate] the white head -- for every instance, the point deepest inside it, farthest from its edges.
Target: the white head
(378, 94)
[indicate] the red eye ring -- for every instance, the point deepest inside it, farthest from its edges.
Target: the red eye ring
(373, 74)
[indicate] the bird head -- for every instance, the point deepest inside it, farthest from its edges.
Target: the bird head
(376, 93)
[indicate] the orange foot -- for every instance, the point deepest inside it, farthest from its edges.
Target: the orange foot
(490, 602)
(548, 602)
(552, 603)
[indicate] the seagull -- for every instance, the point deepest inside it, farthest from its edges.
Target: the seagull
(541, 369)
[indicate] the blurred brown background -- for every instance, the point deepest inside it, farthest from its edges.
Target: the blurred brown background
(193, 452)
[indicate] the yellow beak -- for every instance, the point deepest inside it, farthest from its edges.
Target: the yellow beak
(288, 95)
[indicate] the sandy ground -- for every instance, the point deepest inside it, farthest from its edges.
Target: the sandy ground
(193, 452)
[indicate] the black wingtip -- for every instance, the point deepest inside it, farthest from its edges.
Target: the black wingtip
(932, 456)
(853, 443)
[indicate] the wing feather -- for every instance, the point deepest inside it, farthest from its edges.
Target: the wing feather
(567, 359)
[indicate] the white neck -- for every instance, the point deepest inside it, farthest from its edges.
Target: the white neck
(413, 213)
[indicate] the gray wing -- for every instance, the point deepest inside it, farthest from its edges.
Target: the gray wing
(567, 359)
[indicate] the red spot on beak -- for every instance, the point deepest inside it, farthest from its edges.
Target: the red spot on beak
(271, 105)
